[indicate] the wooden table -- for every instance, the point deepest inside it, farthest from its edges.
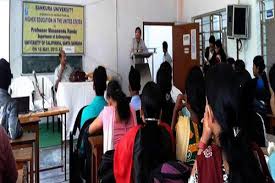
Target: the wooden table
(97, 151)
(31, 124)
(55, 111)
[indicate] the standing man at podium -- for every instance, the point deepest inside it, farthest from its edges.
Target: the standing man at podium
(138, 46)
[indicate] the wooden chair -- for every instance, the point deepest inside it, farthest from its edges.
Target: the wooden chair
(96, 143)
(23, 156)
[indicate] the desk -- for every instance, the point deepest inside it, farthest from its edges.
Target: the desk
(27, 140)
(97, 152)
(28, 122)
(31, 124)
(23, 156)
(74, 95)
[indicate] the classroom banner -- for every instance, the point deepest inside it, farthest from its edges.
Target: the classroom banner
(48, 28)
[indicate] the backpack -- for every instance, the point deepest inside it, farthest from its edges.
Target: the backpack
(171, 172)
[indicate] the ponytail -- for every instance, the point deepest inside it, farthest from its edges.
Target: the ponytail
(114, 91)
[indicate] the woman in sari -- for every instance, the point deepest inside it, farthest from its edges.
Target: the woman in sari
(225, 154)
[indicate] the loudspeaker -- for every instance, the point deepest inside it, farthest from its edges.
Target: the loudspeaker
(238, 21)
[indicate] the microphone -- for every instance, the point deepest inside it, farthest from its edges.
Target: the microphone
(35, 78)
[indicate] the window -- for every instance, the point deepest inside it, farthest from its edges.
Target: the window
(214, 23)
(266, 7)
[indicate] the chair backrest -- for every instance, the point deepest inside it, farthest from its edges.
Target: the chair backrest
(76, 159)
(78, 120)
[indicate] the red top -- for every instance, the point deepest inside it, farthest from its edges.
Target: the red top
(209, 165)
(123, 157)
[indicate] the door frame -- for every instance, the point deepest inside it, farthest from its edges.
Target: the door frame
(156, 24)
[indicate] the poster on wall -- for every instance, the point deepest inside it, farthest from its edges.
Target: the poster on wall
(269, 6)
(48, 28)
(186, 39)
(193, 44)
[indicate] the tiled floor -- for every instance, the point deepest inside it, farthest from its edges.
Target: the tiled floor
(50, 157)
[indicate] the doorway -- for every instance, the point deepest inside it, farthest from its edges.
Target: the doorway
(153, 35)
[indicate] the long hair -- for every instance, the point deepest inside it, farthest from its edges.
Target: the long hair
(114, 91)
(195, 90)
(155, 140)
(222, 93)
(151, 100)
(99, 79)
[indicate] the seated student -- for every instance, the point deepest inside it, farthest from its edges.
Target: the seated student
(115, 119)
(8, 109)
(144, 147)
(272, 88)
(134, 87)
(188, 124)
(8, 172)
(261, 79)
(229, 157)
(231, 61)
(164, 80)
(253, 121)
(242, 74)
(98, 103)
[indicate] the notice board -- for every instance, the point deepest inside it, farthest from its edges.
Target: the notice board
(48, 28)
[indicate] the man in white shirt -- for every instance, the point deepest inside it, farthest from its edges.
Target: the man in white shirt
(166, 55)
(138, 46)
(63, 71)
